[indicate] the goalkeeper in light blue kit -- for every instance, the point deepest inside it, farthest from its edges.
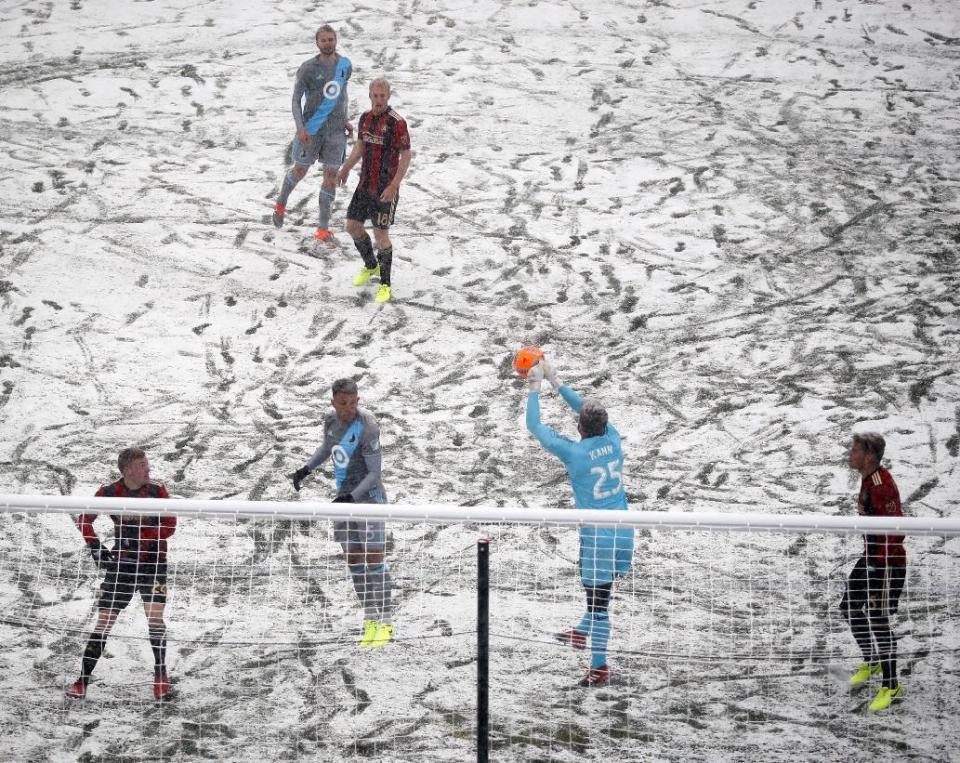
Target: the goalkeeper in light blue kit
(595, 467)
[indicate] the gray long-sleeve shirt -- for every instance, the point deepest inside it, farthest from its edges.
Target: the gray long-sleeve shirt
(308, 93)
(357, 459)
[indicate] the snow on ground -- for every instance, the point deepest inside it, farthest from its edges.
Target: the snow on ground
(735, 222)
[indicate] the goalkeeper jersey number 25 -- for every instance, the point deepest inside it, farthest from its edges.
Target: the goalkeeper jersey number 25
(595, 468)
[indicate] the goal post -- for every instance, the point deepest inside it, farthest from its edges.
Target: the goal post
(439, 513)
(725, 637)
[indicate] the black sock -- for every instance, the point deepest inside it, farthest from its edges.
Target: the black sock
(158, 642)
(365, 247)
(386, 262)
(91, 655)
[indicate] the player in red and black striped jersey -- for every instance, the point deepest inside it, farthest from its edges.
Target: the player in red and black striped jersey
(876, 581)
(383, 143)
(137, 563)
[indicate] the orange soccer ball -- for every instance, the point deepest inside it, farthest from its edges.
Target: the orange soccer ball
(525, 359)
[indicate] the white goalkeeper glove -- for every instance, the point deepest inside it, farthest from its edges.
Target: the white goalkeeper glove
(550, 373)
(535, 377)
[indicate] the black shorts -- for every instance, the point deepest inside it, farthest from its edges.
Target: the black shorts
(126, 578)
(364, 207)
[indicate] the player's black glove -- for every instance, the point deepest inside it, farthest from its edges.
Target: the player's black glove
(344, 498)
(299, 476)
(102, 555)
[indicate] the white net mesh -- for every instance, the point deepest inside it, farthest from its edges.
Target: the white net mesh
(723, 645)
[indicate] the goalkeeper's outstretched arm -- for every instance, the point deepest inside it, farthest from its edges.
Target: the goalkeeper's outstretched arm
(571, 398)
(550, 374)
(557, 444)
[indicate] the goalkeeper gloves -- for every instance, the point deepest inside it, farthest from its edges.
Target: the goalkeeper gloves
(299, 476)
(101, 554)
(344, 498)
(550, 373)
(535, 377)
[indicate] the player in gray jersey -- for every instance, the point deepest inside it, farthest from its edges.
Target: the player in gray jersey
(351, 438)
(320, 114)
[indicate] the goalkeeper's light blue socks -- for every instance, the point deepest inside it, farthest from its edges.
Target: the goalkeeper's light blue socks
(599, 637)
(585, 623)
(597, 626)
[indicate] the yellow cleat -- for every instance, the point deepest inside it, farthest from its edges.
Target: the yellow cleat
(369, 633)
(383, 294)
(384, 636)
(365, 275)
(864, 673)
(884, 698)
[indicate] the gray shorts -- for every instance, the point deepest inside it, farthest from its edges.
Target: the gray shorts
(362, 535)
(329, 150)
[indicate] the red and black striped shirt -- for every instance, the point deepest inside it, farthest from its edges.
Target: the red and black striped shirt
(879, 497)
(384, 136)
(140, 538)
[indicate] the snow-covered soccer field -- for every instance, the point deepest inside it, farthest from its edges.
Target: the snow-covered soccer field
(733, 221)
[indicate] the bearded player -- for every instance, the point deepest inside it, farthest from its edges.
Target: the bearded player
(320, 116)
(595, 467)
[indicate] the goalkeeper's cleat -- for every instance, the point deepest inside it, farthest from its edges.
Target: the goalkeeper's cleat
(78, 690)
(161, 686)
(597, 677)
(885, 698)
(382, 637)
(369, 633)
(573, 637)
(278, 212)
(864, 673)
(366, 274)
(383, 294)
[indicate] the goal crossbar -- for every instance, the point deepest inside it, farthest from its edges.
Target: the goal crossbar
(437, 513)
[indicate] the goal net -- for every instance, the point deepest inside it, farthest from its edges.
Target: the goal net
(726, 640)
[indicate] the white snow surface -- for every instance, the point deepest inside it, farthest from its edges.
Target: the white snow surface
(734, 222)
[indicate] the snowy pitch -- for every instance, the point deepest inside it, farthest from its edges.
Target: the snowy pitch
(735, 222)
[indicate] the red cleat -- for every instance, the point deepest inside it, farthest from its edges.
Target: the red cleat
(161, 686)
(77, 691)
(323, 234)
(597, 677)
(574, 638)
(278, 212)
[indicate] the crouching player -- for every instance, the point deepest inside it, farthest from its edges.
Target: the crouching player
(595, 467)
(137, 563)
